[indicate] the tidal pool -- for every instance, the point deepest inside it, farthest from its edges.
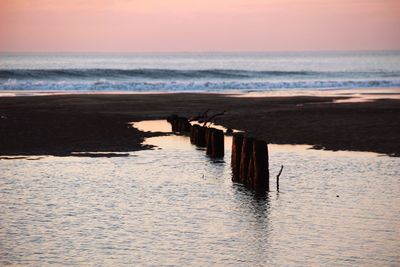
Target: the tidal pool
(175, 206)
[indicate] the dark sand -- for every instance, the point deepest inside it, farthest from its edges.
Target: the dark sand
(61, 124)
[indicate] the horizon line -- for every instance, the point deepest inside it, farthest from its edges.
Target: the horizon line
(202, 52)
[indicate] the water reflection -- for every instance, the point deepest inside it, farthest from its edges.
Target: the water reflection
(257, 227)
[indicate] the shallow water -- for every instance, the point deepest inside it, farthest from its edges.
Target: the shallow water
(175, 206)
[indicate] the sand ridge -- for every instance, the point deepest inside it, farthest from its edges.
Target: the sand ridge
(62, 124)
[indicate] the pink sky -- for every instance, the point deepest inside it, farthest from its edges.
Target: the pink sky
(198, 25)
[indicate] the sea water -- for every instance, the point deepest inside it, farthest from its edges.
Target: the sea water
(176, 206)
(199, 72)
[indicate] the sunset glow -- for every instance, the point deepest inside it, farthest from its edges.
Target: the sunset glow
(207, 25)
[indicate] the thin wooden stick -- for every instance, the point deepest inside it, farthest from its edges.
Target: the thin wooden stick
(277, 178)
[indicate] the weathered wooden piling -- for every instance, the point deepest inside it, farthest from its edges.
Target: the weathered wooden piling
(179, 124)
(237, 141)
(218, 146)
(198, 135)
(250, 173)
(250, 162)
(209, 141)
(184, 125)
(172, 118)
(260, 162)
(201, 139)
(215, 143)
(246, 154)
(193, 130)
(175, 125)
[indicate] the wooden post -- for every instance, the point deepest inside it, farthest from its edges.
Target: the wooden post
(201, 138)
(198, 135)
(261, 171)
(246, 153)
(186, 126)
(179, 124)
(209, 133)
(183, 125)
(193, 133)
(178, 127)
(237, 141)
(173, 124)
(250, 173)
(218, 146)
(172, 118)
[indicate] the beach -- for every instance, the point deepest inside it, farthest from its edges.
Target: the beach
(199, 133)
(63, 124)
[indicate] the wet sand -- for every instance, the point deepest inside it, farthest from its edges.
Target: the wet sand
(62, 124)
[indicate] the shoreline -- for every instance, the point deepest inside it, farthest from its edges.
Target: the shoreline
(62, 124)
(378, 91)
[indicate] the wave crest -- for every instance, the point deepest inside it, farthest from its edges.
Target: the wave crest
(103, 85)
(141, 73)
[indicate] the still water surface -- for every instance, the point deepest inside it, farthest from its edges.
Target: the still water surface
(175, 206)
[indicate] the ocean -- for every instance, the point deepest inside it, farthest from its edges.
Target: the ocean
(199, 72)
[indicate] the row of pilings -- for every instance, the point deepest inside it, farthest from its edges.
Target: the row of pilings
(249, 156)
(210, 138)
(250, 162)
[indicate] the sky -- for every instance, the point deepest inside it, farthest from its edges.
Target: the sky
(198, 25)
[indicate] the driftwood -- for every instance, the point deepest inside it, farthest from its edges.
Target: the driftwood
(199, 117)
(212, 118)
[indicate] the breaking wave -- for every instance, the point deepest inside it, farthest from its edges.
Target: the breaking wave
(103, 85)
(142, 73)
(173, 74)
(208, 80)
